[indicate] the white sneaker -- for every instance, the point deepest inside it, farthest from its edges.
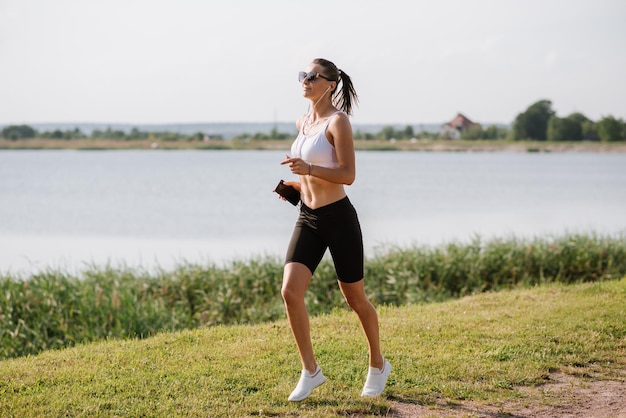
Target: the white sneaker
(307, 383)
(376, 380)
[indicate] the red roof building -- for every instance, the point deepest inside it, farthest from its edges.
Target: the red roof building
(454, 128)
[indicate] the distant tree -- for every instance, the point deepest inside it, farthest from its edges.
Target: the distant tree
(275, 134)
(565, 129)
(533, 123)
(169, 136)
(117, 134)
(428, 135)
(109, 134)
(388, 132)
(610, 129)
(578, 118)
(97, 133)
(590, 131)
(198, 136)
(367, 135)
(495, 132)
(57, 134)
(135, 133)
(587, 126)
(76, 134)
(473, 132)
(18, 132)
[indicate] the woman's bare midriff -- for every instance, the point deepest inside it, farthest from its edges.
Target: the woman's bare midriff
(316, 192)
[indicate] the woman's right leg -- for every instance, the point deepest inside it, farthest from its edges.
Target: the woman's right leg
(296, 279)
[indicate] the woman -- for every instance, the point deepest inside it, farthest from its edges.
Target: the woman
(323, 157)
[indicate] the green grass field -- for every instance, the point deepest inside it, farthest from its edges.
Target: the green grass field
(480, 348)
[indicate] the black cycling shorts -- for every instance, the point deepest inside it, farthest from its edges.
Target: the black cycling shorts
(336, 227)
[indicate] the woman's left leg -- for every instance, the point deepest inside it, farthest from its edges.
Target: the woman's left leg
(354, 294)
(379, 369)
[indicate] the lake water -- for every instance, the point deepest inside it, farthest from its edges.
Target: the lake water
(69, 209)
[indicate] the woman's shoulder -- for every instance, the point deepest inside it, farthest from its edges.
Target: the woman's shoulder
(339, 128)
(340, 119)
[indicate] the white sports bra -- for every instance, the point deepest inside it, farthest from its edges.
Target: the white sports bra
(315, 148)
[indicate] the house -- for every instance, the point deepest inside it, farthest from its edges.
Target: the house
(454, 128)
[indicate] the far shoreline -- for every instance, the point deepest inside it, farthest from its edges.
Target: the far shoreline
(421, 145)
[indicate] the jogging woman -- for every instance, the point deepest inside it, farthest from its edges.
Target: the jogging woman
(324, 159)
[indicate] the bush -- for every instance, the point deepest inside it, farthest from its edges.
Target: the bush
(18, 132)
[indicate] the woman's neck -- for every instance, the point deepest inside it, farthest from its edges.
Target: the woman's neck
(321, 110)
(316, 115)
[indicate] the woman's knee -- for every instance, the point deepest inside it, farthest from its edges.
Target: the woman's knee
(289, 294)
(355, 297)
(357, 304)
(296, 278)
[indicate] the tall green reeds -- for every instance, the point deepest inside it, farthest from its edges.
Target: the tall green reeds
(403, 276)
(53, 309)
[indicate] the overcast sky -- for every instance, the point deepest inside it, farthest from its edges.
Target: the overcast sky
(174, 61)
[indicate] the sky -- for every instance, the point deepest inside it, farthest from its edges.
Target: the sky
(412, 62)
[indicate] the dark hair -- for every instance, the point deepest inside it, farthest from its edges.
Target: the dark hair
(345, 97)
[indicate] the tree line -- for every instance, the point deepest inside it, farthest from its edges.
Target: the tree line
(475, 132)
(15, 132)
(538, 122)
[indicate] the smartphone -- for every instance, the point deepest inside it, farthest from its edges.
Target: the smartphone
(288, 192)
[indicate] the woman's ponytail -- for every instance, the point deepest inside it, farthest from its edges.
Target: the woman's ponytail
(343, 98)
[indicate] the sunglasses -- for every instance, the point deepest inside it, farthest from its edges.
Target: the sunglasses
(310, 77)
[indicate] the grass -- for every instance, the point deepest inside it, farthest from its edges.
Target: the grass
(479, 348)
(53, 309)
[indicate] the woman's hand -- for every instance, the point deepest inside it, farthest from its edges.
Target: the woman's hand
(293, 184)
(297, 165)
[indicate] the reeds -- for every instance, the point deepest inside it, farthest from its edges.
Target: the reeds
(405, 276)
(53, 309)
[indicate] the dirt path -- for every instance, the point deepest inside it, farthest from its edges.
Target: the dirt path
(564, 396)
